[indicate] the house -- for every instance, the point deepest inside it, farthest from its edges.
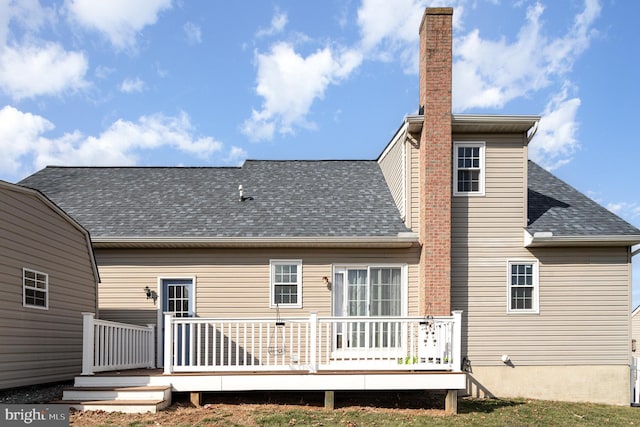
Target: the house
(48, 277)
(450, 262)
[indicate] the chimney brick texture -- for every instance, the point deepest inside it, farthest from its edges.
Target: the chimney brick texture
(435, 160)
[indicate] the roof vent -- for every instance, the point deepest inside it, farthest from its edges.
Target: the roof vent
(242, 196)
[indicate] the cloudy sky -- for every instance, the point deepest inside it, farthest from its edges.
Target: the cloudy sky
(198, 82)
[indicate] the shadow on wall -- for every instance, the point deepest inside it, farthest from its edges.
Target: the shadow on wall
(477, 390)
(133, 317)
(460, 268)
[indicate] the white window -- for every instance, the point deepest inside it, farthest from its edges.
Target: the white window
(522, 278)
(468, 164)
(35, 289)
(286, 283)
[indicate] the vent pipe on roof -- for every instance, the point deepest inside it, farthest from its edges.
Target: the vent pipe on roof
(242, 196)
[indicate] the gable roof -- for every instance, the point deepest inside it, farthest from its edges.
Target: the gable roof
(57, 211)
(559, 212)
(303, 203)
(337, 201)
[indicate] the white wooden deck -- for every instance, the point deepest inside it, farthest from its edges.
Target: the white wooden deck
(293, 354)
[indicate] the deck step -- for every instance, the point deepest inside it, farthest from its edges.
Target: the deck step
(126, 406)
(134, 399)
(117, 393)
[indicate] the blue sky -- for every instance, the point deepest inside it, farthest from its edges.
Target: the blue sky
(198, 82)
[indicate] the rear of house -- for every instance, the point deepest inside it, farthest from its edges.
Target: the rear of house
(452, 227)
(48, 277)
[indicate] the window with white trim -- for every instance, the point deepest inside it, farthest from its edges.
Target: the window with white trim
(35, 289)
(286, 283)
(468, 163)
(523, 286)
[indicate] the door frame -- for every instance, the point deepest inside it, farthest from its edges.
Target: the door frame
(160, 317)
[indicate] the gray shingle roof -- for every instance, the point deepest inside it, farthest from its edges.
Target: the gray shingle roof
(290, 199)
(559, 208)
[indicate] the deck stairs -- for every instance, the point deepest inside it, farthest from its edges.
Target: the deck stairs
(115, 395)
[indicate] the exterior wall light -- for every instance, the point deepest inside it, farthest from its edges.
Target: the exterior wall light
(326, 282)
(151, 294)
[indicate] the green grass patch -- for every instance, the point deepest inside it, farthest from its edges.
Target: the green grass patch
(471, 412)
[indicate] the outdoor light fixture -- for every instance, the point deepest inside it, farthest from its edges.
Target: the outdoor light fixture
(325, 281)
(151, 294)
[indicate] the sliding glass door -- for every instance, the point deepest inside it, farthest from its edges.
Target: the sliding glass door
(369, 291)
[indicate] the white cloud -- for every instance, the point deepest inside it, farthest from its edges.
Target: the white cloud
(193, 33)
(237, 155)
(278, 22)
(132, 85)
(29, 14)
(19, 136)
(102, 71)
(289, 83)
(28, 71)
(389, 30)
(392, 23)
(556, 140)
(118, 20)
(490, 73)
(26, 146)
(31, 67)
(629, 210)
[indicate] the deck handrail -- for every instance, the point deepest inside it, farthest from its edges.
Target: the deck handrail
(111, 345)
(195, 344)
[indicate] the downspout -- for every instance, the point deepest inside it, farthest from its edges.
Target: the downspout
(533, 131)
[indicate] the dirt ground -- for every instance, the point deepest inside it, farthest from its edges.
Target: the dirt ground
(240, 409)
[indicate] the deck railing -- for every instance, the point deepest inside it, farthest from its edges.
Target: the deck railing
(109, 346)
(312, 343)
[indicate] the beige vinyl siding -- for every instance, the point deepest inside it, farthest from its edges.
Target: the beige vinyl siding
(230, 282)
(583, 292)
(394, 170)
(40, 346)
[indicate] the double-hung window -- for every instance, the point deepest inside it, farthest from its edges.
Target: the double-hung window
(286, 283)
(522, 277)
(468, 164)
(35, 289)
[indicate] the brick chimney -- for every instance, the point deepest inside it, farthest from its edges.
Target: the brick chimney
(435, 159)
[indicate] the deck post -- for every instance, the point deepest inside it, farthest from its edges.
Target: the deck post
(168, 344)
(313, 345)
(88, 344)
(451, 402)
(196, 398)
(457, 340)
(151, 346)
(329, 399)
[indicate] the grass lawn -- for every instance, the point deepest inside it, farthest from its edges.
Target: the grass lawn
(367, 409)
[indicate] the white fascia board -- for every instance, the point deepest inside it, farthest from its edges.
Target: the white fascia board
(551, 240)
(402, 240)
